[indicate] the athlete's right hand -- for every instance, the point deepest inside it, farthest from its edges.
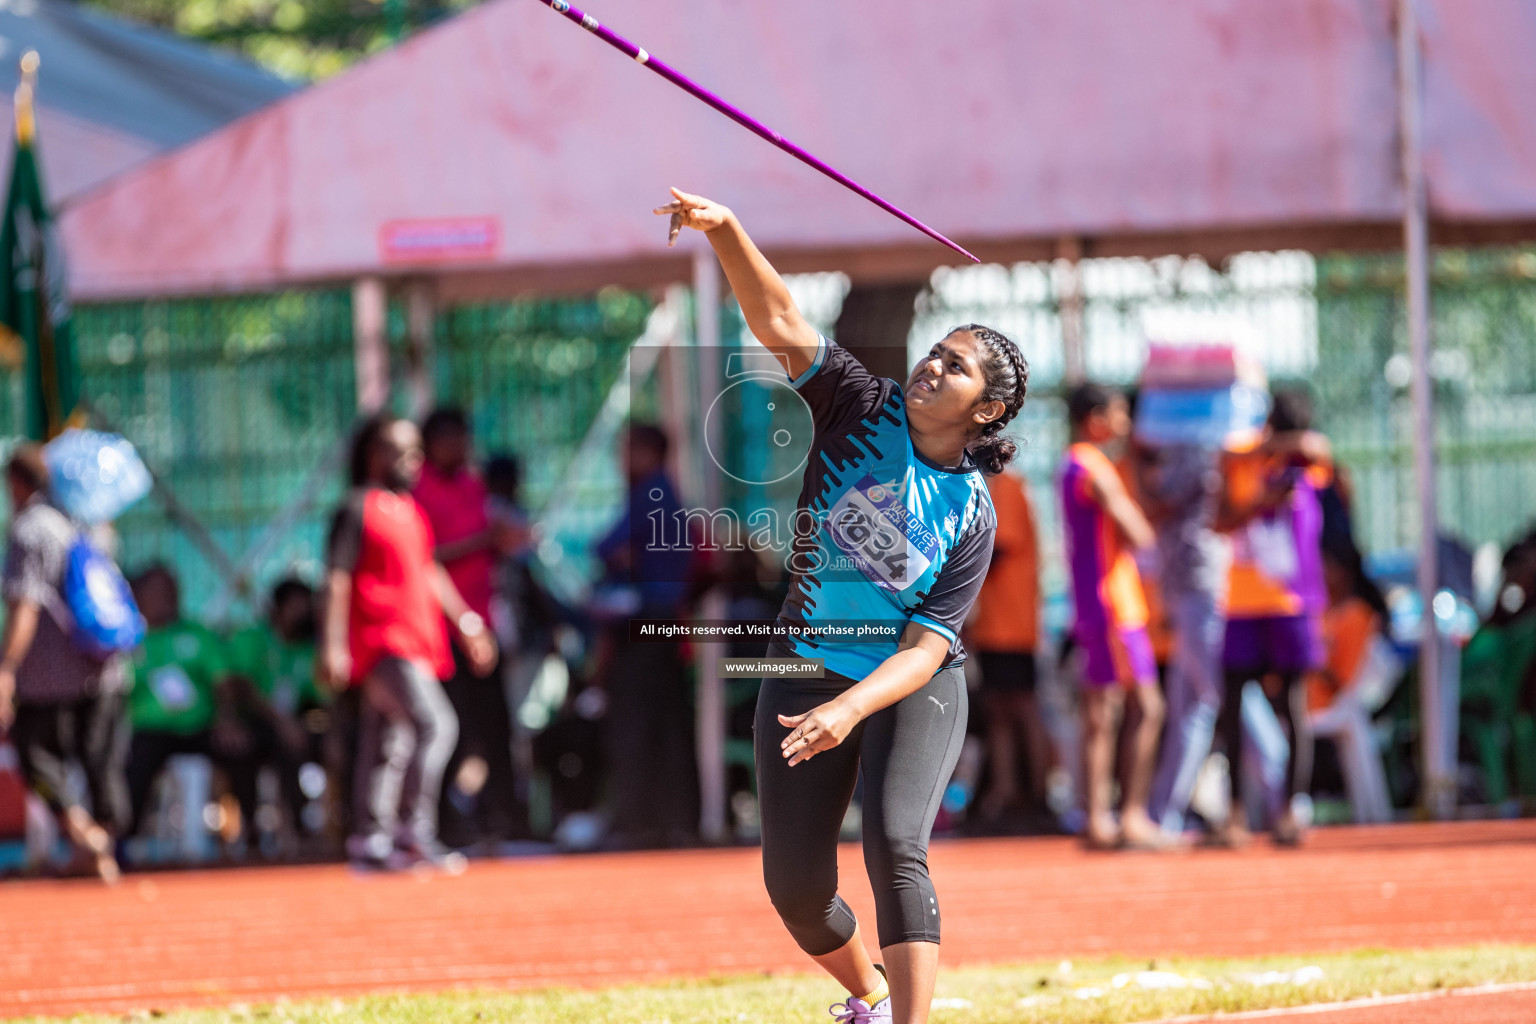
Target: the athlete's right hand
(819, 729)
(690, 211)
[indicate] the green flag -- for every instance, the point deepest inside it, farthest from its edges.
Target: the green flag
(34, 300)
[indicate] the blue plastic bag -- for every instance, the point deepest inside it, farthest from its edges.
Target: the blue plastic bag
(96, 476)
(106, 618)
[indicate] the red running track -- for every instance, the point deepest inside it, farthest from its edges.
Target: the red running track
(254, 935)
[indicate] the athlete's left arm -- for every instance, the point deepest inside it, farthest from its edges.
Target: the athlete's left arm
(918, 657)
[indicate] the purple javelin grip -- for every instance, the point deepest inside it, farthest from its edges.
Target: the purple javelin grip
(629, 49)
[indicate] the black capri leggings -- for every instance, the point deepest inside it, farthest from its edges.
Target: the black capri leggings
(906, 753)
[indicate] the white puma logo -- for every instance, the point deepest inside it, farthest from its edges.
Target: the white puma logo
(940, 703)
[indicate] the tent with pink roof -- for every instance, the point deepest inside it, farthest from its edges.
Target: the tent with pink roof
(506, 150)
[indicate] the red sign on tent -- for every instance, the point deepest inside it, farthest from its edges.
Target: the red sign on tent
(446, 238)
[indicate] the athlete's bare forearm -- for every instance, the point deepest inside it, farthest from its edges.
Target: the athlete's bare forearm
(766, 305)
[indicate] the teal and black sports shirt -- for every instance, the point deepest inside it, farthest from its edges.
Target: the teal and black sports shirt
(886, 536)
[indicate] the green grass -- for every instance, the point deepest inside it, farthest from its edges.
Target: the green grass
(1020, 994)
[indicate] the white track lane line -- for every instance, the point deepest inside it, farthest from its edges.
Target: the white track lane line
(1308, 1009)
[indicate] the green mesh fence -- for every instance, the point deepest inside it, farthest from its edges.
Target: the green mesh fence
(238, 404)
(232, 402)
(533, 376)
(1484, 374)
(236, 401)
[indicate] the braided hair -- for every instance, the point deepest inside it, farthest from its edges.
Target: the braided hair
(1006, 375)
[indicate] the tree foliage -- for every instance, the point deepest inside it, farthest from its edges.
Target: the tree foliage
(303, 39)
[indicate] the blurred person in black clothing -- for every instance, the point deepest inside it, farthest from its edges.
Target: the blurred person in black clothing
(654, 776)
(479, 800)
(524, 614)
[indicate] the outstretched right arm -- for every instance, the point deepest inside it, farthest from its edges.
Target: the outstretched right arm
(771, 314)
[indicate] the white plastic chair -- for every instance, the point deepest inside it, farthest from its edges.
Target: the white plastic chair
(1347, 721)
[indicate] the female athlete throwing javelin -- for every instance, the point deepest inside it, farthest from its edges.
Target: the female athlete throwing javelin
(894, 526)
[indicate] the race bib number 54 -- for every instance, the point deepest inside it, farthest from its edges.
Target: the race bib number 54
(873, 526)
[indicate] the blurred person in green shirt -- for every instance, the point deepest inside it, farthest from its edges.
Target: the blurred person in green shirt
(272, 667)
(181, 702)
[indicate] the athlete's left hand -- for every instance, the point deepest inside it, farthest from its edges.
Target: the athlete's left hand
(819, 729)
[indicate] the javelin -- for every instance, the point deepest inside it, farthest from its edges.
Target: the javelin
(618, 42)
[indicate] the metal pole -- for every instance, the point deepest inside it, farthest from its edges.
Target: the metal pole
(370, 347)
(710, 725)
(421, 320)
(1438, 791)
(1069, 307)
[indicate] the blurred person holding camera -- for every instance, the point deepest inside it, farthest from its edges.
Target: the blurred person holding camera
(389, 606)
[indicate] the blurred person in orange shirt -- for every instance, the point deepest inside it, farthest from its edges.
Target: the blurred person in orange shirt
(1130, 466)
(1355, 662)
(389, 606)
(1004, 631)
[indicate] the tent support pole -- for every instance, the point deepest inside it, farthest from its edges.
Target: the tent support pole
(421, 319)
(1069, 307)
(710, 724)
(1438, 790)
(370, 347)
